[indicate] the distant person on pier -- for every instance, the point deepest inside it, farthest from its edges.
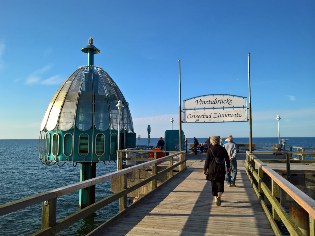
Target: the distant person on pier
(186, 144)
(196, 144)
(230, 147)
(160, 143)
(214, 167)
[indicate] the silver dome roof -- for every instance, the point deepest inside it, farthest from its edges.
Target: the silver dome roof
(87, 98)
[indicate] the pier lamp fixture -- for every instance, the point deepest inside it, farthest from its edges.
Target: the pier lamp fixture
(172, 121)
(278, 119)
(149, 131)
(119, 107)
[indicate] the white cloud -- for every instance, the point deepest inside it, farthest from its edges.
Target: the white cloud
(33, 79)
(285, 114)
(38, 77)
(292, 98)
(56, 79)
(158, 124)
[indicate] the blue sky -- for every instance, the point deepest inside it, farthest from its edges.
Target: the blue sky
(141, 42)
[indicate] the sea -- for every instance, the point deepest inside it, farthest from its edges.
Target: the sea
(23, 175)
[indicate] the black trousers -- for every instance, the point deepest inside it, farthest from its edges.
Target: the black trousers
(217, 186)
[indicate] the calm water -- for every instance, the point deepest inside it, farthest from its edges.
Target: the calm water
(23, 175)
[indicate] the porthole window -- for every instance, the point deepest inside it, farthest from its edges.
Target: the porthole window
(48, 143)
(67, 145)
(99, 144)
(83, 144)
(55, 144)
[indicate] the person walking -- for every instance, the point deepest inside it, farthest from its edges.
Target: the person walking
(214, 167)
(186, 144)
(196, 144)
(230, 147)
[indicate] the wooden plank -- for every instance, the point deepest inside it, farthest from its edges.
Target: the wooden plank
(185, 206)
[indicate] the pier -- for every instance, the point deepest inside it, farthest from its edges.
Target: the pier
(179, 200)
(185, 206)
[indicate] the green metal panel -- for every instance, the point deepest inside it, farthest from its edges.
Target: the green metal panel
(69, 148)
(172, 140)
(131, 140)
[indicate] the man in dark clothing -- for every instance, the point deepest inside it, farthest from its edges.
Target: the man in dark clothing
(161, 144)
(214, 167)
(196, 144)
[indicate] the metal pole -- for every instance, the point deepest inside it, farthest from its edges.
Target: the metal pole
(119, 107)
(149, 131)
(88, 170)
(278, 119)
(172, 121)
(250, 108)
(180, 106)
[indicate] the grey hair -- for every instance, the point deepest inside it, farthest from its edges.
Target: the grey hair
(215, 140)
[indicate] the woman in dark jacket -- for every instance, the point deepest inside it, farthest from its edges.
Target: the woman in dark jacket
(214, 167)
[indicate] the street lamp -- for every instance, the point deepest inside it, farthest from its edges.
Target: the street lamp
(278, 119)
(149, 131)
(119, 107)
(172, 121)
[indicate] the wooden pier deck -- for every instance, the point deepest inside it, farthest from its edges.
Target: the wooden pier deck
(185, 206)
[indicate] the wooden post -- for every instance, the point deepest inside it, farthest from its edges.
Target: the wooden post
(260, 180)
(275, 191)
(123, 186)
(171, 171)
(154, 172)
(182, 157)
(299, 216)
(122, 181)
(49, 213)
(288, 167)
(312, 225)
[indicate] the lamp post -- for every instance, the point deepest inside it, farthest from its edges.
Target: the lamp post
(172, 121)
(149, 131)
(119, 107)
(278, 119)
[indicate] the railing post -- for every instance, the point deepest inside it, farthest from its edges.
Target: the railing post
(312, 225)
(260, 180)
(182, 157)
(288, 167)
(299, 216)
(275, 191)
(247, 161)
(122, 182)
(49, 213)
(171, 164)
(154, 172)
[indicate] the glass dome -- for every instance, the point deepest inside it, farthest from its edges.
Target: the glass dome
(82, 119)
(87, 99)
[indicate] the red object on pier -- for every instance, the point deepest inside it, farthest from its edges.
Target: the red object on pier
(158, 154)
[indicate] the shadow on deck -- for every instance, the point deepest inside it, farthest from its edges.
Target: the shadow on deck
(185, 206)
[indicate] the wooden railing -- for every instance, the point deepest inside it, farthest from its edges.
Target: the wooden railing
(49, 199)
(270, 188)
(302, 152)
